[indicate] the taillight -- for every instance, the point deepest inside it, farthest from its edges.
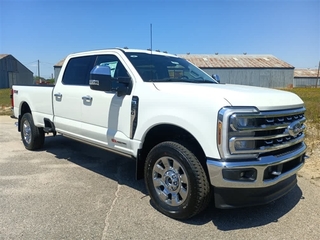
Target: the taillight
(11, 96)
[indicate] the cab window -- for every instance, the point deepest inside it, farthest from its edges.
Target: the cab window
(117, 68)
(78, 70)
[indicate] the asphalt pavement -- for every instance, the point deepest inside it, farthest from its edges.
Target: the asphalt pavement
(69, 190)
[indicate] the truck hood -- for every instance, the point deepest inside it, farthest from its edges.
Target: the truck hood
(236, 95)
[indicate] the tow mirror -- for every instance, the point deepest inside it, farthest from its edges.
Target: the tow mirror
(100, 78)
(216, 77)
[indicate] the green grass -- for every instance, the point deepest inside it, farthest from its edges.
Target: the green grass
(5, 97)
(5, 101)
(311, 98)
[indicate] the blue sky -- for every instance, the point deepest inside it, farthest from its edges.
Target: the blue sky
(48, 30)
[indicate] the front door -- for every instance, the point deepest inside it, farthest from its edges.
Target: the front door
(105, 116)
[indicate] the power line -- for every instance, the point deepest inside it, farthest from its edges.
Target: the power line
(47, 63)
(32, 62)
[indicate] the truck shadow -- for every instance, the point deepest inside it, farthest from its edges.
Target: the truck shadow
(107, 164)
(122, 170)
(249, 217)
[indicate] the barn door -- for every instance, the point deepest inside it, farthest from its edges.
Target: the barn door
(12, 76)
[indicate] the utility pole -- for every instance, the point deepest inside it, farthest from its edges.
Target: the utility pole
(39, 71)
(151, 37)
(318, 75)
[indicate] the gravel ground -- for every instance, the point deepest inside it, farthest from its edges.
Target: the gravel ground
(311, 169)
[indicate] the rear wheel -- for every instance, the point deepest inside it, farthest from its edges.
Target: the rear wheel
(176, 181)
(32, 136)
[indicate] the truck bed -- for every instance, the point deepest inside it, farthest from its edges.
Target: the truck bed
(39, 97)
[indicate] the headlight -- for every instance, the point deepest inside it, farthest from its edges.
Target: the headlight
(236, 132)
(241, 123)
(240, 145)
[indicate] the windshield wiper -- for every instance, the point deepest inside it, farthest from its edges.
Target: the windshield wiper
(171, 80)
(182, 80)
(205, 81)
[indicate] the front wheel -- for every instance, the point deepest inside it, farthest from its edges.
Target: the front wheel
(32, 136)
(176, 181)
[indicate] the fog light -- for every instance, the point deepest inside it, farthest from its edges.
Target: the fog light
(245, 175)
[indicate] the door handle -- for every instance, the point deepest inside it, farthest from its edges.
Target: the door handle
(58, 95)
(87, 98)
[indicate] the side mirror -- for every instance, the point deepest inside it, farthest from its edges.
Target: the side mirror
(216, 77)
(100, 78)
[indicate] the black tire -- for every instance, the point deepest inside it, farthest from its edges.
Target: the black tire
(32, 136)
(176, 181)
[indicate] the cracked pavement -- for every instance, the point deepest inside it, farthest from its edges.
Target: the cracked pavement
(69, 190)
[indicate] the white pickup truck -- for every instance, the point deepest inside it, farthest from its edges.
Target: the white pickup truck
(192, 138)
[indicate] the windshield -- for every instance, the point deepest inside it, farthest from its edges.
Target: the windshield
(159, 68)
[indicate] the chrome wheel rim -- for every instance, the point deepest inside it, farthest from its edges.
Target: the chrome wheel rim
(170, 181)
(26, 131)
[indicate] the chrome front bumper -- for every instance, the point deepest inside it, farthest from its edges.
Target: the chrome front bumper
(216, 167)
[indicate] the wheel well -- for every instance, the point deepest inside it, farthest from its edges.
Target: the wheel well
(166, 132)
(24, 109)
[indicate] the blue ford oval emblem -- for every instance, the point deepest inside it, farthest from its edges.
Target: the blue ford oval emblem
(295, 128)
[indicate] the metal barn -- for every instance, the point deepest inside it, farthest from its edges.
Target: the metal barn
(254, 70)
(306, 78)
(57, 68)
(13, 72)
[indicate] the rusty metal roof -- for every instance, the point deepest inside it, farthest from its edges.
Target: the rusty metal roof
(235, 61)
(60, 63)
(305, 73)
(3, 55)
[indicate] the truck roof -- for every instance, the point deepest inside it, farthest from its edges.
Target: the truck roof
(107, 50)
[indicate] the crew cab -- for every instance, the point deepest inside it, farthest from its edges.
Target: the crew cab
(192, 138)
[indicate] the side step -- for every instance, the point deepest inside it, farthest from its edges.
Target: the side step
(48, 130)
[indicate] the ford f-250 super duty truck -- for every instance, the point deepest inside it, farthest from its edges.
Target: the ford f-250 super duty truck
(192, 138)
